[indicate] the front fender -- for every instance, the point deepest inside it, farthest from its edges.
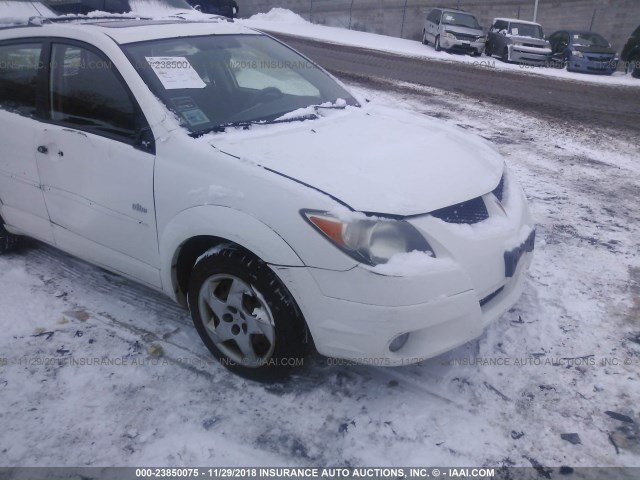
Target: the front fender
(226, 223)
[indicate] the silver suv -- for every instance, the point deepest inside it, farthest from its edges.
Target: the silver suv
(451, 29)
(516, 40)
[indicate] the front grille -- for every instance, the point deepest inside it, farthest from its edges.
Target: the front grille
(532, 45)
(499, 190)
(490, 297)
(471, 211)
(465, 37)
(600, 59)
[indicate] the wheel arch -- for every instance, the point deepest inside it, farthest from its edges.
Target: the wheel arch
(196, 230)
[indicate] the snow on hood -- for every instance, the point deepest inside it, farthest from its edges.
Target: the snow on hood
(383, 161)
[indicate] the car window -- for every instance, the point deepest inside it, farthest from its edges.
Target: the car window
(252, 71)
(219, 80)
(589, 40)
(85, 91)
(19, 67)
(460, 20)
(525, 30)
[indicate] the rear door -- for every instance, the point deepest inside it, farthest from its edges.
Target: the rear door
(433, 21)
(96, 165)
(22, 204)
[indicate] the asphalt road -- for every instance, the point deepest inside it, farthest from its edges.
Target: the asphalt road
(616, 107)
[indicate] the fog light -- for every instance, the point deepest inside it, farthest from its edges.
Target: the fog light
(398, 342)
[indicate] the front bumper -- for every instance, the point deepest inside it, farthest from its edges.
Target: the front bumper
(462, 45)
(356, 314)
(605, 66)
(529, 55)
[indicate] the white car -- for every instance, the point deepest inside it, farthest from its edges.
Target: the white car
(217, 165)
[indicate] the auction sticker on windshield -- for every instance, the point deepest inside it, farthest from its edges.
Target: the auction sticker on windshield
(175, 72)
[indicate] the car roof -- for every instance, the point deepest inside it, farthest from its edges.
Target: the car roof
(581, 32)
(451, 9)
(515, 20)
(125, 29)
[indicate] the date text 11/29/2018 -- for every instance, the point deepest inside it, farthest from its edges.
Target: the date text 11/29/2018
(314, 472)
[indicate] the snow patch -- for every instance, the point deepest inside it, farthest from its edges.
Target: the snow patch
(411, 264)
(280, 15)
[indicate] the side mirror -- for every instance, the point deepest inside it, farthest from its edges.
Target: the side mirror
(197, 7)
(145, 141)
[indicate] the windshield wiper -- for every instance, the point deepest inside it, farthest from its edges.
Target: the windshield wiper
(280, 118)
(248, 124)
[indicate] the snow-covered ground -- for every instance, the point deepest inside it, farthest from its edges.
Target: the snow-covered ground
(96, 370)
(285, 21)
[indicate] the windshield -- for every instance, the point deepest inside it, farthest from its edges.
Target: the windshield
(460, 20)
(219, 80)
(526, 30)
(589, 40)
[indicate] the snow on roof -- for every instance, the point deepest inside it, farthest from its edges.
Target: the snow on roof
(515, 20)
(129, 28)
(153, 30)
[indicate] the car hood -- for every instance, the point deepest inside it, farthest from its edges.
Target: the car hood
(529, 40)
(464, 30)
(382, 161)
(585, 49)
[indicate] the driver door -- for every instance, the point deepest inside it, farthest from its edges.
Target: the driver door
(97, 176)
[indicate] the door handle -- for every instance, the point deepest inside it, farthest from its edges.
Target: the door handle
(43, 149)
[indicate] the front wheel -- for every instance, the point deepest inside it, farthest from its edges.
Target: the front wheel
(487, 51)
(424, 38)
(634, 66)
(8, 241)
(437, 44)
(505, 55)
(245, 315)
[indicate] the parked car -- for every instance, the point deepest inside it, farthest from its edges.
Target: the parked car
(226, 8)
(451, 29)
(517, 40)
(145, 7)
(585, 52)
(631, 54)
(280, 210)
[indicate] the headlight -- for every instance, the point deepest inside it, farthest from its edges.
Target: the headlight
(449, 35)
(577, 53)
(481, 39)
(370, 241)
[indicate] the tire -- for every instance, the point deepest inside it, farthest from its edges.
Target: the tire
(245, 316)
(424, 38)
(567, 64)
(634, 66)
(505, 55)
(8, 241)
(437, 44)
(487, 51)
